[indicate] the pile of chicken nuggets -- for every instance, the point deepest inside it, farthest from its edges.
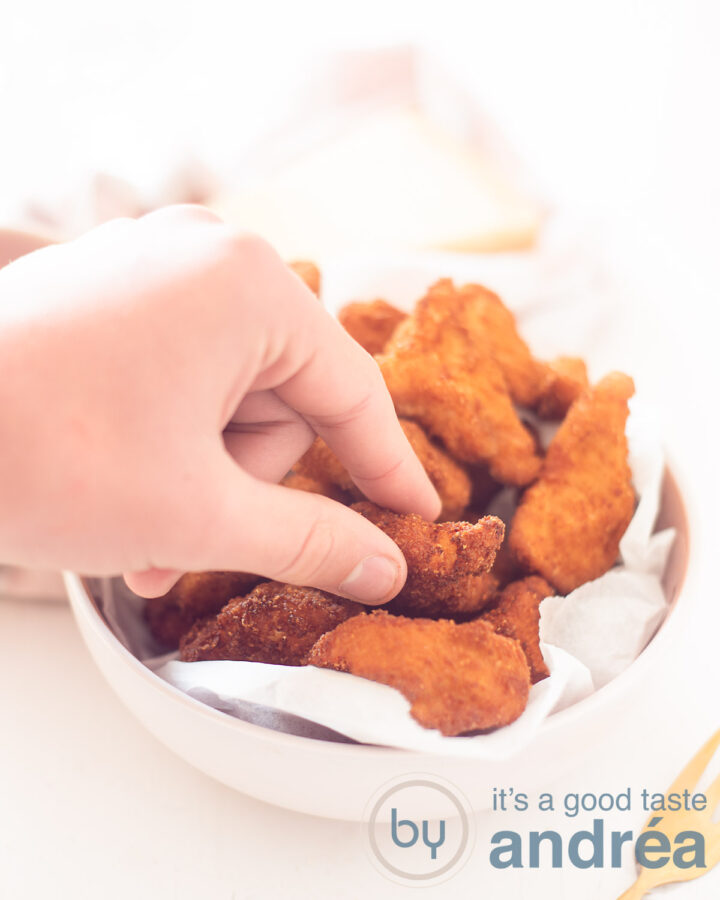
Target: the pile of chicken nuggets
(461, 639)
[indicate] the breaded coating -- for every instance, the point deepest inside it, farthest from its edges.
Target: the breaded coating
(371, 323)
(463, 597)
(445, 376)
(450, 479)
(276, 623)
(564, 380)
(457, 678)
(194, 596)
(517, 615)
(299, 481)
(307, 272)
(320, 464)
(487, 317)
(436, 555)
(569, 523)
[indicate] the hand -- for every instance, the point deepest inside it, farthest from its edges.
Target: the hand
(158, 378)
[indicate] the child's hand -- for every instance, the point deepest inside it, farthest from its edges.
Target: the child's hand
(157, 378)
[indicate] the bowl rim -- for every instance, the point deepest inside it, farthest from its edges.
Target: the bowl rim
(84, 605)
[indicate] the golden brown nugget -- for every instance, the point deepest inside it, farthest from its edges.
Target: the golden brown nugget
(488, 319)
(299, 481)
(371, 323)
(194, 596)
(463, 597)
(447, 379)
(457, 678)
(307, 272)
(564, 380)
(436, 555)
(276, 623)
(517, 615)
(320, 464)
(569, 523)
(450, 479)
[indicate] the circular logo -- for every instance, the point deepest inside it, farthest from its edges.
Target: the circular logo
(419, 829)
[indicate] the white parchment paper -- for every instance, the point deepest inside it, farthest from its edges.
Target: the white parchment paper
(588, 637)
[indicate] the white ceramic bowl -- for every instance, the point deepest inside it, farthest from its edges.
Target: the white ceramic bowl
(336, 779)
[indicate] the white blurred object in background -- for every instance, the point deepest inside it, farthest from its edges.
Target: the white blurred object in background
(396, 156)
(383, 149)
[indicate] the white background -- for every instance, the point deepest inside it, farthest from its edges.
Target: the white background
(614, 108)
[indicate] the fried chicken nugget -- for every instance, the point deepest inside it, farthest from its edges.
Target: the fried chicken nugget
(371, 323)
(437, 556)
(307, 272)
(487, 318)
(194, 596)
(457, 678)
(299, 481)
(467, 595)
(450, 479)
(569, 523)
(517, 615)
(445, 376)
(564, 380)
(276, 623)
(320, 464)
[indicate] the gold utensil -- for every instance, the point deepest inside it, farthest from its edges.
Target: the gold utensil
(676, 821)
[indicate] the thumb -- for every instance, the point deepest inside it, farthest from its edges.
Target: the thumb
(296, 537)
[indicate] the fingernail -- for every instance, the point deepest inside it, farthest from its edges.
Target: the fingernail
(372, 580)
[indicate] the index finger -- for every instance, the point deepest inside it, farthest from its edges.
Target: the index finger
(338, 389)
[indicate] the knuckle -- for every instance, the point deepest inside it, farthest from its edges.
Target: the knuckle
(113, 229)
(349, 415)
(119, 223)
(244, 245)
(241, 253)
(310, 559)
(376, 386)
(183, 213)
(388, 471)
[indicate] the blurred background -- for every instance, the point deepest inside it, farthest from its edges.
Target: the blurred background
(464, 125)
(611, 107)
